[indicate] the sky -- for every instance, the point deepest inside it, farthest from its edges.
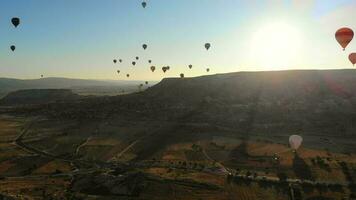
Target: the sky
(80, 39)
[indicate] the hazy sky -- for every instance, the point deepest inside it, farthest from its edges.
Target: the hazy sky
(80, 38)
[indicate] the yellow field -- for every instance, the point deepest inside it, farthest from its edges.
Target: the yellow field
(53, 167)
(9, 128)
(34, 188)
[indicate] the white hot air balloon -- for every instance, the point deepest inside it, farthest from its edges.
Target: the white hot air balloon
(295, 141)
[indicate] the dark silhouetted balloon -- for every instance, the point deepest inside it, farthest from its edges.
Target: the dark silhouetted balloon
(15, 21)
(150, 61)
(207, 46)
(120, 60)
(114, 60)
(127, 75)
(118, 71)
(146, 82)
(182, 75)
(168, 68)
(41, 76)
(190, 66)
(137, 58)
(352, 58)
(144, 4)
(144, 46)
(207, 69)
(164, 69)
(12, 47)
(153, 68)
(134, 63)
(344, 36)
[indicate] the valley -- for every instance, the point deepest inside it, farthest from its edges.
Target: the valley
(207, 137)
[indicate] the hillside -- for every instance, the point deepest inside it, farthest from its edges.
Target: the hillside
(278, 85)
(259, 104)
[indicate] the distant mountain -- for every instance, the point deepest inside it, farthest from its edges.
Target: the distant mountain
(37, 96)
(9, 85)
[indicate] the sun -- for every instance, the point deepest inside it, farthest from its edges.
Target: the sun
(276, 46)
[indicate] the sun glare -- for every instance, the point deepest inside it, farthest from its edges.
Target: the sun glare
(276, 46)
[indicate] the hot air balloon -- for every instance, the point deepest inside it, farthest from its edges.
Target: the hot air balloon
(190, 66)
(144, 4)
(164, 69)
(140, 87)
(344, 36)
(12, 47)
(137, 58)
(120, 60)
(150, 61)
(153, 68)
(15, 21)
(207, 69)
(114, 60)
(118, 71)
(295, 141)
(182, 75)
(133, 63)
(144, 46)
(352, 58)
(127, 75)
(146, 82)
(207, 46)
(168, 68)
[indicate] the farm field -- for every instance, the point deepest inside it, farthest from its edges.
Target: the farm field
(187, 163)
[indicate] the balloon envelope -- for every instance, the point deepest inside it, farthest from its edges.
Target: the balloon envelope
(120, 60)
(15, 21)
(352, 58)
(182, 75)
(190, 66)
(137, 58)
(144, 4)
(133, 63)
(12, 47)
(207, 46)
(144, 46)
(114, 60)
(127, 75)
(164, 69)
(344, 36)
(295, 141)
(153, 68)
